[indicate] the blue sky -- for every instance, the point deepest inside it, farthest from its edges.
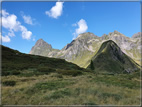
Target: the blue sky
(23, 23)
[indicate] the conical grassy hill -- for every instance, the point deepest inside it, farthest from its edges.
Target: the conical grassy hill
(110, 58)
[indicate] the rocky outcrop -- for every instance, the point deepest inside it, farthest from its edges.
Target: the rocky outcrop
(41, 48)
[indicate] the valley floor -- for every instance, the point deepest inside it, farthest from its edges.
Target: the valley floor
(85, 89)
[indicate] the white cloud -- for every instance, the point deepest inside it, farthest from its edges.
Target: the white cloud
(4, 38)
(11, 33)
(27, 19)
(56, 10)
(9, 21)
(25, 33)
(4, 13)
(82, 27)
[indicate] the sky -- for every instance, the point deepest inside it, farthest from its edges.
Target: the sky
(58, 23)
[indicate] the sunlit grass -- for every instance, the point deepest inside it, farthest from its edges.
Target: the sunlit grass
(57, 89)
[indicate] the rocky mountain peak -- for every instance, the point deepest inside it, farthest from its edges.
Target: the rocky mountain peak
(116, 32)
(86, 35)
(41, 47)
(137, 35)
(41, 43)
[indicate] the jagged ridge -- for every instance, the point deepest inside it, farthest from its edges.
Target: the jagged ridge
(85, 46)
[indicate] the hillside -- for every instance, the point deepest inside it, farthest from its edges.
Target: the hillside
(36, 80)
(110, 58)
(85, 46)
(13, 62)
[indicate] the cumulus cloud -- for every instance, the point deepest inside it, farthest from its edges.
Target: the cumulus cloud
(4, 13)
(82, 27)
(11, 33)
(56, 10)
(9, 21)
(27, 19)
(25, 33)
(4, 38)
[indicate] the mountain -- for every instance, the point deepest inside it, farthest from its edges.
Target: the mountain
(15, 61)
(43, 49)
(110, 58)
(79, 50)
(130, 46)
(85, 46)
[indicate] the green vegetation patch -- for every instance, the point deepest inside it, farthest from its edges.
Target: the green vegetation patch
(125, 80)
(46, 70)
(9, 83)
(107, 95)
(49, 85)
(13, 72)
(58, 94)
(70, 72)
(52, 85)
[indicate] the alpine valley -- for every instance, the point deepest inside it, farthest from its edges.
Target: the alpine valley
(67, 53)
(90, 70)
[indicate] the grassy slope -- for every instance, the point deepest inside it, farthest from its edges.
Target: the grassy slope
(83, 59)
(56, 88)
(86, 89)
(14, 61)
(104, 61)
(136, 55)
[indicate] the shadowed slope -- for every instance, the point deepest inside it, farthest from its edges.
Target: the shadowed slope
(110, 58)
(13, 60)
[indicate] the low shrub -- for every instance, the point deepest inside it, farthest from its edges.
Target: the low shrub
(107, 95)
(45, 70)
(14, 72)
(88, 70)
(70, 72)
(9, 83)
(59, 94)
(5, 73)
(51, 85)
(57, 75)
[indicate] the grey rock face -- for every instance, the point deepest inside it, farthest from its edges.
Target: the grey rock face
(41, 48)
(77, 46)
(137, 35)
(130, 46)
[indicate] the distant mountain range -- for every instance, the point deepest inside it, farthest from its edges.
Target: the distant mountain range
(82, 49)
